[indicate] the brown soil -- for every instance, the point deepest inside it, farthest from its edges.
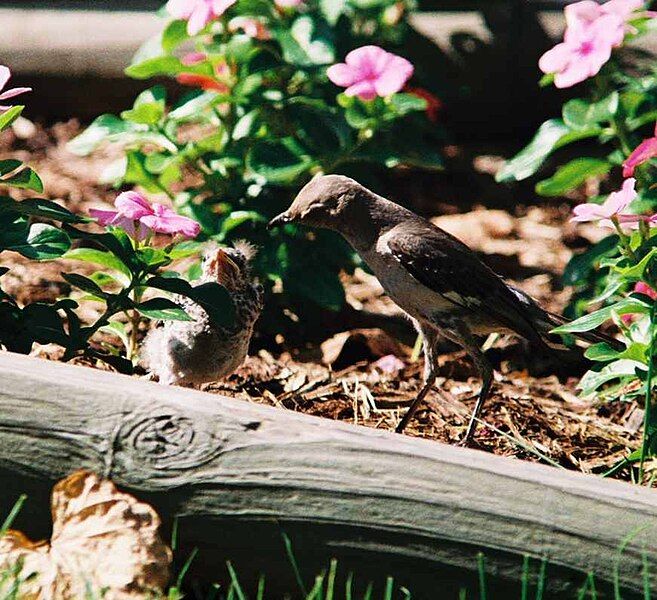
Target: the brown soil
(533, 414)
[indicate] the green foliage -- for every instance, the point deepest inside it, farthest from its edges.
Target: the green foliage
(261, 120)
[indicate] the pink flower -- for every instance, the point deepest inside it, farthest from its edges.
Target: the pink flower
(193, 58)
(5, 75)
(646, 150)
(133, 210)
(370, 71)
(198, 13)
(643, 288)
(584, 51)
(613, 207)
(163, 220)
(288, 3)
(251, 27)
(585, 13)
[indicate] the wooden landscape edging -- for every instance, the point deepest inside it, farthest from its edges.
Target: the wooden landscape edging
(236, 474)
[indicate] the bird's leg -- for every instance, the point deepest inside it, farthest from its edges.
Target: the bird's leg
(470, 345)
(430, 340)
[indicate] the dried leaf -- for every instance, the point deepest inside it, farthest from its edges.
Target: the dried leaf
(104, 543)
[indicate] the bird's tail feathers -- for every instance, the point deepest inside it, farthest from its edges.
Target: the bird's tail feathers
(544, 322)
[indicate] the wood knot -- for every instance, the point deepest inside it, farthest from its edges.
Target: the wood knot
(166, 441)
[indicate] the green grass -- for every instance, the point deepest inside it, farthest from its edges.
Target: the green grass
(330, 583)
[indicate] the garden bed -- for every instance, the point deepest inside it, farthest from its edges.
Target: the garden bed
(533, 413)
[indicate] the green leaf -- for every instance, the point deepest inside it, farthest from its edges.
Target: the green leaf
(162, 309)
(280, 162)
(192, 108)
(9, 165)
(174, 34)
(148, 108)
(551, 135)
(26, 179)
(582, 114)
(308, 42)
(571, 175)
(103, 128)
(588, 322)
(237, 218)
(603, 352)
(635, 272)
(118, 329)
(85, 284)
(592, 380)
(332, 10)
(105, 259)
(38, 207)
(40, 242)
(152, 67)
(407, 103)
(212, 297)
(9, 116)
(581, 265)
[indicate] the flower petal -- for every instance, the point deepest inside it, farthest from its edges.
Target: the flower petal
(5, 75)
(397, 72)
(104, 217)
(555, 59)
(199, 18)
(165, 220)
(646, 150)
(14, 92)
(341, 74)
(133, 205)
(365, 90)
(181, 9)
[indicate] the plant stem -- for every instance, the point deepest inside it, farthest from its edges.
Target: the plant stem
(648, 401)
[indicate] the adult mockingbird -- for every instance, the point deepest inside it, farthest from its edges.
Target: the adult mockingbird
(435, 278)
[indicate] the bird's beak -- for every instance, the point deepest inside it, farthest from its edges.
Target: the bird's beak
(280, 220)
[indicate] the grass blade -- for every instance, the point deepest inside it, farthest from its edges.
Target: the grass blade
(261, 588)
(540, 585)
(330, 583)
(234, 582)
(349, 586)
(293, 562)
(390, 583)
(481, 569)
(524, 578)
(13, 513)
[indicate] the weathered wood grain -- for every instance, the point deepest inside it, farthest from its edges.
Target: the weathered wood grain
(236, 473)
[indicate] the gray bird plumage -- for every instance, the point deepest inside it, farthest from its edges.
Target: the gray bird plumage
(434, 277)
(194, 352)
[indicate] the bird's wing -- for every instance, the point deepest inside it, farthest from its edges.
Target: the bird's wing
(447, 266)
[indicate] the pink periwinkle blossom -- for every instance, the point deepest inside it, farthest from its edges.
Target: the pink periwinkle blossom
(5, 76)
(138, 217)
(198, 13)
(584, 51)
(646, 150)
(370, 71)
(592, 31)
(164, 220)
(612, 208)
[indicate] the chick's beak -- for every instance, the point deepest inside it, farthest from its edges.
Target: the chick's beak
(226, 269)
(280, 220)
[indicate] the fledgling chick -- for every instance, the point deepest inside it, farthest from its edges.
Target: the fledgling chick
(190, 353)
